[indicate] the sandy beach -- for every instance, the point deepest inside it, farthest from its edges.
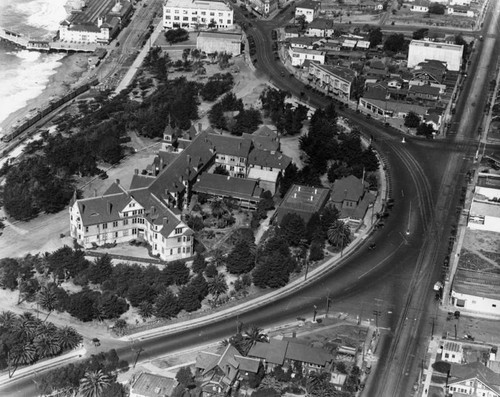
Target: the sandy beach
(72, 71)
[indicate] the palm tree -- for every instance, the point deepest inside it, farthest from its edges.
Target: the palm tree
(47, 345)
(21, 354)
(253, 335)
(217, 286)
(218, 257)
(7, 319)
(68, 338)
(26, 326)
(146, 309)
(93, 384)
(218, 208)
(339, 235)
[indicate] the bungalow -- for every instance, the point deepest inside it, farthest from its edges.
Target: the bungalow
(474, 379)
(298, 56)
(220, 372)
(420, 6)
(284, 353)
(424, 92)
(320, 27)
(461, 11)
(351, 198)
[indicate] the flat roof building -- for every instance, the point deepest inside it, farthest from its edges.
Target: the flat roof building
(211, 42)
(422, 50)
(303, 201)
(196, 14)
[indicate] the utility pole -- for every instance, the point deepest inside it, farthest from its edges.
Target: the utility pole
(315, 312)
(327, 304)
(409, 215)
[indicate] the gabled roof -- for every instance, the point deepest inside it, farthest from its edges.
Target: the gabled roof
(476, 370)
(424, 89)
(273, 352)
(230, 145)
(348, 188)
(222, 185)
(306, 354)
(309, 4)
(346, 74)
(140, 181)
(320, 23)
(150, 385)
(102, 209)
(265, 158)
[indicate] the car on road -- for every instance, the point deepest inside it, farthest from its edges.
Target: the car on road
(372, 246)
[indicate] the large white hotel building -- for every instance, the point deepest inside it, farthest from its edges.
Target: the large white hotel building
(196, 14)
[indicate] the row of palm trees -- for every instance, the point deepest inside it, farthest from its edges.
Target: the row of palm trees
(29, 339)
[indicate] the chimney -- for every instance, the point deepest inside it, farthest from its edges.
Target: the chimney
(99, 22)
(117, 182)
(188, 157)
(312, 198)
(165, 221)
(295, 195)
(110, 207)
(298, 188)
(315, 191)
(228, 177)
(136, 171)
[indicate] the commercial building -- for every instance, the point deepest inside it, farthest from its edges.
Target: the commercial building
(299, 55)
(303, 201)
(211, 42)
(94, 25)
(484, 212)
(336, 80)
(196, 14)
(421, 50)
(309, 9)
(476, 291)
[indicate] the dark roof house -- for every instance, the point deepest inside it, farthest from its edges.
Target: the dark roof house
(303, 201)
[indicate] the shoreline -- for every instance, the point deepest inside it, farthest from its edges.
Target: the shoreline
(72, 71)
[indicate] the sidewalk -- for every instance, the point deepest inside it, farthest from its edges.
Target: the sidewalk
(43, 365)
(293, 286)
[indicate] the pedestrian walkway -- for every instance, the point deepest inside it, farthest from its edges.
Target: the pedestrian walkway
(427, 372)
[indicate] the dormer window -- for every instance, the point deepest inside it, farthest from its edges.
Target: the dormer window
(178, 230)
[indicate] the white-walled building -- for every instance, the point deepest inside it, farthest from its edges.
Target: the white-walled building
(476, 291)
(463, 11)
(211, 42)
(422, 50)
(299, 55)
(452, 352)
(337, 80)
(460, 2)
(148, 385)
(484, 212)
(474, 380)
(119, 216)
(310, 9)
(420, 6)
(196, 14)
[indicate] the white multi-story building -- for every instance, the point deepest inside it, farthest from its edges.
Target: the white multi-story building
(299, 55)
(422, 50)
(196, 14)
(120, 216)
(310, 10)
(337, 80)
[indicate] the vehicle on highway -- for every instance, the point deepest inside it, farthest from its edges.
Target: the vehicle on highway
(372, 246)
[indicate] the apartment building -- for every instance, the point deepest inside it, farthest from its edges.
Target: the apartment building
(196, 14)
(337, 80)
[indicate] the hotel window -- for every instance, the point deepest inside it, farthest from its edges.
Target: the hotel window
(203, 20)
(179, 250)
(86, 229)
(188, 238)
(203, 13)
(188, 250)
(184, 12)
(176, 11)
(179, 239)
(171, 251)
(104, 225)
(221, 14)
(134, 231)
(115, 224)
(220, 21)
(125, 222)
(231, 159)
(116, 234)
(178, 230)
(156, 247)
(229, 22)
(194, 19)
(212, 14)
(156, 236)
(125, 214)
(185, 18)
(176, 18)
(167, 10)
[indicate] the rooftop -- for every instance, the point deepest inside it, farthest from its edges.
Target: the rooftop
(343, 73)
(485, 208)
(303, 200)
(97, 8)
(150, 385)
(222, 185)
(231, 36)
(230, 145)
(444, 46)
(476, 370)
(483, 284)
(265, 158)
(489, 180)
(309, 4)
(199, 4)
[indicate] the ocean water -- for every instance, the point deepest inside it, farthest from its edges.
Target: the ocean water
(25, 74)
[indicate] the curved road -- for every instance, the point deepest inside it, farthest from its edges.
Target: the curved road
(394, 280)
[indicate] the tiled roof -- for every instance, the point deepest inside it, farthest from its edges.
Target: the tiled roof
(320, 23)
(306, 354)
(222, 185)
(247, 363)
(348, 188)
(478, 370)
(150, 385)
(102, 209)
(309, 4)
(265, 158)
(345, 74)
(140, 181)
(424, 89)
(230, 145)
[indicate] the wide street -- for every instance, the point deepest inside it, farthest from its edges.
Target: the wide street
(391, 285)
